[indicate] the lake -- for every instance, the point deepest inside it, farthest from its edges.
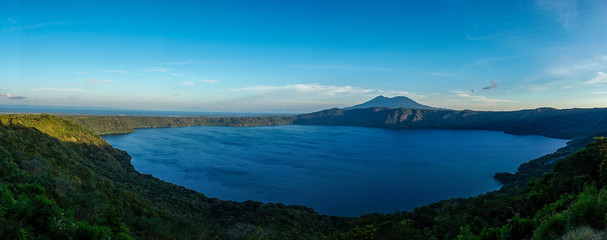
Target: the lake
(337, 170)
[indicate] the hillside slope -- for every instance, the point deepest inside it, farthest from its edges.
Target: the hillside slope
(61, 181)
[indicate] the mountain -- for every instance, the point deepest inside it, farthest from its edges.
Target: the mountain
(395, 102)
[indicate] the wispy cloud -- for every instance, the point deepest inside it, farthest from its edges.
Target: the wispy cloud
(318, 91)
(209, 81)
(575, 68)
(29, 27)
(73, 90)
(566, 75)
(158, 69)
(315, 88)
(11, 21)
(188, 83)
(600, 79)
(390, 93)
(494, 84)
(12, 97)
(97, 81)
(440, 74)
(339, 67)
(176, 74)
(564, 10)
(81, 72)
(479, 98)
(112, 71)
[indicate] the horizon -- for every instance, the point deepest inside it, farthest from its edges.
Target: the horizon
(298, 57)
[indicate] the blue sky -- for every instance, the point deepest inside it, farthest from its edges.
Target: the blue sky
(302, 56)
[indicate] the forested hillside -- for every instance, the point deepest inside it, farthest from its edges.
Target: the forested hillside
(61, 181)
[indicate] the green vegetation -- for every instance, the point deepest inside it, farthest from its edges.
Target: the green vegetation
(59, 180)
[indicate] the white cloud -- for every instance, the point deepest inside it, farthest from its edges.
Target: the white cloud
(317, 91)
(305, 97)
(97, 81)
(188, 83)
(209, 81)
(60, 90)
(176, 74)
(600, 79)
(81, 72)
(158, 69)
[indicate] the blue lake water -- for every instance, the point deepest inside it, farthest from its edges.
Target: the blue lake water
(336, 170)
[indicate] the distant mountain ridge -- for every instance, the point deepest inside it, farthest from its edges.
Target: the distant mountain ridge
(549, 122)
(394, 102)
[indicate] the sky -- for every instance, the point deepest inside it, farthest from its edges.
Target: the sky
(303, 56)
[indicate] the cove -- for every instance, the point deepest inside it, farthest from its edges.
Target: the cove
(337, 170)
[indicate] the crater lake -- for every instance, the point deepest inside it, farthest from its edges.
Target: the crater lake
(336, 170)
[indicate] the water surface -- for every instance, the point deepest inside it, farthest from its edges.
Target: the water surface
(336, 170)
